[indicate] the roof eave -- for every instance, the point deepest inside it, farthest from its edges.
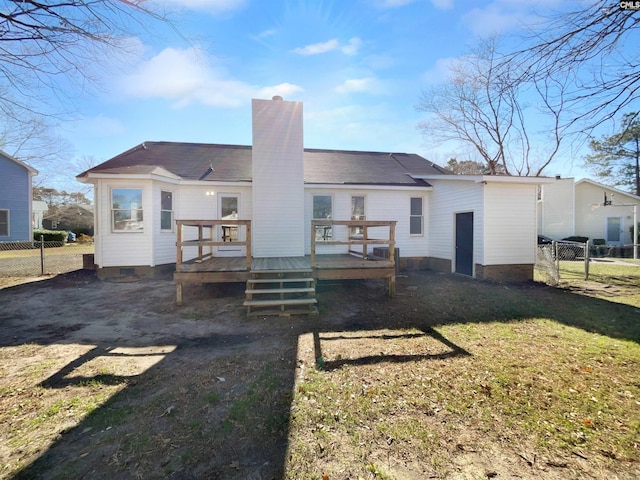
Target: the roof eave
(489, 179)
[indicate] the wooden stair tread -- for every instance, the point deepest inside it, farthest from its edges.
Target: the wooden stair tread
(280, 290)
(278, 280)
(312, 310)
(268, 272)
(284, 301)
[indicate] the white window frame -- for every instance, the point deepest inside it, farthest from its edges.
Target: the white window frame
(7, 223)
(163, 211)
(413, 215)
(139, 212)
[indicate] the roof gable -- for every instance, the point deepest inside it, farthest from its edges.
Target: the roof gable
(586, 181)
(18, 162)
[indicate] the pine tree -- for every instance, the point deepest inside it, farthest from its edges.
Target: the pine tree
(616, 158)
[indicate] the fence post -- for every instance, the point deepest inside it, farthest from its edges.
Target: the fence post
(556, 256)
(586, 261)
(41, 254)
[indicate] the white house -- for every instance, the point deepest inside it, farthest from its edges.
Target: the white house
(481, 226)
(588, 209)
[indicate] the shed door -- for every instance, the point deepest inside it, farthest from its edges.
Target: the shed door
(464, 243)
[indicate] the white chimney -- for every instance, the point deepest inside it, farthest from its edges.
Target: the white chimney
(278, 179)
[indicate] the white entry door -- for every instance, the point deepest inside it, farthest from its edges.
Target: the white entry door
(228, 207)
(615, 230)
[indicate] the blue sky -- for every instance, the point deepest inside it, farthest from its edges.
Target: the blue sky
(358, 66)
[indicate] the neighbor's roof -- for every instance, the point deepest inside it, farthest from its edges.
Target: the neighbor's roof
(232, 163)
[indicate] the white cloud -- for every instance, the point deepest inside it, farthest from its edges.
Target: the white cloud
(350, 48)
(264, 34)
(318, 48)
(285, 90)
(99, 126)
(443, 4)
(440, 71)
(501, 16)
(393, 3)
(359, 85)
(213, 6)
(188, 76)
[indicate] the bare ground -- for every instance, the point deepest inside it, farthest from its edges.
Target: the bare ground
(178, 391)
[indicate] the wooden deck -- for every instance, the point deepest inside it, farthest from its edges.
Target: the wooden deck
(206, 267)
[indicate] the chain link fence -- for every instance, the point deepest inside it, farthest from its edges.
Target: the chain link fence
(31, 259)
(554, 259)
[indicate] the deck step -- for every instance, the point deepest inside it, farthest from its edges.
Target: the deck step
(258, 291)
(270, 272)
(281, 292)
(307, 310)
(278, 280)
(281, 301)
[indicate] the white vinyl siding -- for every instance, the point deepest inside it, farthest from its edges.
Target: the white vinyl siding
(556, 213)
(509, 224)
(123, 248)
(381, 204)
(447, 199)
(278, 179)
(591, 216)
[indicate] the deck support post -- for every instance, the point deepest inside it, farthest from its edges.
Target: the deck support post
(392, 286)
(179, 294)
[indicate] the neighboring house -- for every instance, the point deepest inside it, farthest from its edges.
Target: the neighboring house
(482, 226)
(15, 199)
(75, 217)
(588, 209)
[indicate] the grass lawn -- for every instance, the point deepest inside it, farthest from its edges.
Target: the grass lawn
(553, 379)
(453, 378)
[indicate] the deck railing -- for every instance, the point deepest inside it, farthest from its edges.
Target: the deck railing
(358, 243)
(207, 234)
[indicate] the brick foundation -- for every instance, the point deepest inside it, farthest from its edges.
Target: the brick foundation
(505, 273)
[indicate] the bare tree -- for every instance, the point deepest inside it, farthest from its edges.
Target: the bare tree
(596, 47)
(483, 105)
(32, 140)
(47, 44)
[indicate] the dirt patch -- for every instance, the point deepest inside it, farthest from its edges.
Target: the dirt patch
(112, 380)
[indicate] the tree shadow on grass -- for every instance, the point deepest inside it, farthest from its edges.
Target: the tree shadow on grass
(218, 405)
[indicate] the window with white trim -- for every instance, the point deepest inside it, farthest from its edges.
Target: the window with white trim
(4, 223)
(126, 210)
(166, 211)
(416, 216)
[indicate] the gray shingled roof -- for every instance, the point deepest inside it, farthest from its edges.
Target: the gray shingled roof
(232, 163)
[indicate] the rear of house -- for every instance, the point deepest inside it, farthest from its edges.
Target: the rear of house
(474, 225)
